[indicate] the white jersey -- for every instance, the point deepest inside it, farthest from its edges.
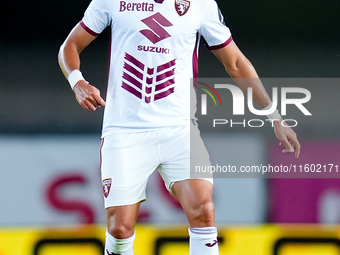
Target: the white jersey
(153, 58)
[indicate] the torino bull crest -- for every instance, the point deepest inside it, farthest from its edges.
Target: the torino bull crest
(182, 7)
(106, 187)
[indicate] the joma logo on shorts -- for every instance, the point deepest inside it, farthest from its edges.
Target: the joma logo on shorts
(139, 7)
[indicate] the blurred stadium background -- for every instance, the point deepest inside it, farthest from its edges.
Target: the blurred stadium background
(50, 190)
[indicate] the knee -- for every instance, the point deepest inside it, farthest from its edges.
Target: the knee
(121, 231)
(204, 214)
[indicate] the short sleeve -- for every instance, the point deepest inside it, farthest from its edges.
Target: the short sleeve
(213, 29)
(97, 17)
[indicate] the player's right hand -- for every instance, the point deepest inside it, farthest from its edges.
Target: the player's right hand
(88, 96)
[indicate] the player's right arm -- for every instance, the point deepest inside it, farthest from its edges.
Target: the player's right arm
(87, 95)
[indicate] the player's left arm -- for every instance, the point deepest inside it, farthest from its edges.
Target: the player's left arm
(238, 66)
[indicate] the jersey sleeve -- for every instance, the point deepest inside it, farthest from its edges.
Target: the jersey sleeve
(97, 17)
(213, 29)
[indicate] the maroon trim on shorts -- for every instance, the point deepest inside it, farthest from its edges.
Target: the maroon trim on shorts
(100, 153)
(216, 47)
(87, 29)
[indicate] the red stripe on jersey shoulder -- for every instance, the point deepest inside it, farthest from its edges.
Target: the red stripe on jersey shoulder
(216, 47)
(87, 29)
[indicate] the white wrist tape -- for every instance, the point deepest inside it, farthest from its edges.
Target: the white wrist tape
(273, 116)
(74, 77)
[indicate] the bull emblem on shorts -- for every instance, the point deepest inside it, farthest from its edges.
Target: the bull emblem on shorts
(106, 187)
(182, 6)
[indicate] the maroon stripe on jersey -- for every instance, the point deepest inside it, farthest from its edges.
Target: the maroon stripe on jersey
(132, 90)
(164, 94)
(148, 90)
(133, 70)
(87, 29)
(165, 75)
(149, 80)
(134, 61)
(221, 45)
(166, 65)
(147, 100)
(165, 84)
(132, 80)
(150, 71)
(195, 66)
(195, 61)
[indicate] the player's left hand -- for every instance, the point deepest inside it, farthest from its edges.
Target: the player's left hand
(287, 138)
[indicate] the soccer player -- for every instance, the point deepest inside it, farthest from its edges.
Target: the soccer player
(147, 110)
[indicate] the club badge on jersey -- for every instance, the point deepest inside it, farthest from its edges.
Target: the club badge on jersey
(106, 187)
(182, 6)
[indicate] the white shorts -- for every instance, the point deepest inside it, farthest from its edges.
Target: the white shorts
(128, 159)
